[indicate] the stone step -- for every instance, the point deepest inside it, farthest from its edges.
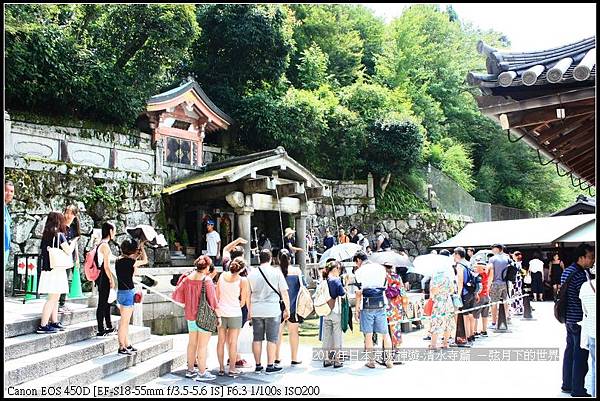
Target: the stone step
(29, 323)
(144, 372)
(30, 367)
(85, 373)
(27, 344)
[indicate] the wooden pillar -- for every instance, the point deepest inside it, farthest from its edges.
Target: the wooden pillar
(244, 225)
(301, 239)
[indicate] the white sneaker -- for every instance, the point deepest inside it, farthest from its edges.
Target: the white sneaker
(207, 376)
(191, 373)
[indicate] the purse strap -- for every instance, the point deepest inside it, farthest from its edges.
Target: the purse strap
(273, 288)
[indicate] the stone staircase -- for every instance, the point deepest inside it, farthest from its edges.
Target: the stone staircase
(76, 357)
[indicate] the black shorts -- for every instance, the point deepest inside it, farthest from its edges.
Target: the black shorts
(468, 303)
(294, 318)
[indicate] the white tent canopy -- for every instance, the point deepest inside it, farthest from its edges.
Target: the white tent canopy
(539, 231)
(584, 233)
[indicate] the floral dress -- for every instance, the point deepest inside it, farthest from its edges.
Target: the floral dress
(517, 305)
(442, 304)
(394, 310)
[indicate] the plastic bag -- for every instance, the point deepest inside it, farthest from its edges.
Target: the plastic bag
(112, 296)
(245, 339)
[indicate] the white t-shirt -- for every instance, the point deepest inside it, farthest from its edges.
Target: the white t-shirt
(212, 243)
(587, 294)
(371, 275)
(265, 302)
(536, 265)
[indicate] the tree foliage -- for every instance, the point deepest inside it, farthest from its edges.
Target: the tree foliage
(342, 91)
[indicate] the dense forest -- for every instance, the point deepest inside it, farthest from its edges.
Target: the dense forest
(344, 92)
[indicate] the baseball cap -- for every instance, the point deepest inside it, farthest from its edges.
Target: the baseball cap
(210, 222)
(499, 246)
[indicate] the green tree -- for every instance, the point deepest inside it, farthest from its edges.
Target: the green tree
(312, 70)
(392, 146)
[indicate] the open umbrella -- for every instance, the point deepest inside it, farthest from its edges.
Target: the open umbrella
(429, 264)
(340, 252)
(394, 258)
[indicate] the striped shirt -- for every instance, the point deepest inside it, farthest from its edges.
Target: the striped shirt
(587, 294)
(574, 311)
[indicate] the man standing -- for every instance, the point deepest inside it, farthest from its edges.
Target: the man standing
(213, 242)
(9, 193)
(498, 290)
(370, 305)
(290, 243)
(467, 291)
(267, 287)
(329, 239)
(575, 360)
(354, 235)
(311, 245)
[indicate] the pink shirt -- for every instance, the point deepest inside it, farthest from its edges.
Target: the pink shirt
(188, 293)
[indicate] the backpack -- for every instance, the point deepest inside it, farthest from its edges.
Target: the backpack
(90, 266)
(560, 305)
(304, 303)
(510, 273)
(473, 282)
(386, 244)
(322, 299)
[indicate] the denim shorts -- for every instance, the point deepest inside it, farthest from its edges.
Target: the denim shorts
(373, 321)
(193, 327)
(266, 326)
(125, 298)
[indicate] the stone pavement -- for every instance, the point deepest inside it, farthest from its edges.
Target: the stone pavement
(529, 379)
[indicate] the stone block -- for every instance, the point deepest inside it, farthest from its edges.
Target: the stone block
(351, 210)
(150, 205)
(16, 206)
(129, 205)
(395, 234)
(402, 226)
(22, 225)
(389, 225)
(39, 227)
(340, 211)
(135, 218)
(86, 223)
(33, 245)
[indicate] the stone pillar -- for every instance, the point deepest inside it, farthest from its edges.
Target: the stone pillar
(244, 226)
(8, 145)
(370, 186)
(301, 238)
(158, 158)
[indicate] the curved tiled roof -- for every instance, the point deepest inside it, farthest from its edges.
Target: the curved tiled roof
(571, 64)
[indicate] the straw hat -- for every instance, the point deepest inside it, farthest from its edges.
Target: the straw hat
(289, 231)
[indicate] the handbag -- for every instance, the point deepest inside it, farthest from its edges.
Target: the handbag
(59, 259)
(245, 339)
(281, 303)
(112, 296)
(428, 310)
(206, 318)
(527, 278)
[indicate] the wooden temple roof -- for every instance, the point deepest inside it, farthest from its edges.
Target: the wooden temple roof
(191, 93)
(547, 98)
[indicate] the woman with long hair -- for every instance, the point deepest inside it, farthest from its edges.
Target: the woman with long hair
(53, 281)
(332, 323)
(133, 256)
(396, 295)
(188, 292)
(232, 293)
(105, 280)
(556, 269)
(292, 275)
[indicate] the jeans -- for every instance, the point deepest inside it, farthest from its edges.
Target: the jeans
(575, 362)
(592, 346)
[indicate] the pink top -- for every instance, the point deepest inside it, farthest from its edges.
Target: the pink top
(188, 293)
(229, 297)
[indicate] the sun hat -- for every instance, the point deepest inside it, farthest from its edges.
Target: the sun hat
(289, 231)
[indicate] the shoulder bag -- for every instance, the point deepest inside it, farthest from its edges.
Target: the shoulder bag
(206, 317)
(59, 259)
(281, 303)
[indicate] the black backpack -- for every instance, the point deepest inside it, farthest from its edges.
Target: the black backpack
(560, 305)
(510, 273)
(386, 244)
(473, 282)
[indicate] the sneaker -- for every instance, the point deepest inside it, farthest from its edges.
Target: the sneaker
(427, 338)
(47, 329)
(337, 365)
(277, 362)
(327, 364)
(124, 351)
(241, 364)
(273, 369)
(191, 373)
(130, 348)
(389, 364)
(206, 376)
(110, 331)
(104, 333)
(493, 325)
(484, 334)
(258, 368)
(58, 326)
(476, 335)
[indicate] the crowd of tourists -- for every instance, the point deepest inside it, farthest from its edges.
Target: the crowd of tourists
(272, 296)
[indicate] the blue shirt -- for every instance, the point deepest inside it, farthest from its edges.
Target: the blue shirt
(328, 242)
(7, 232)
(500, 263)
(336, 289)
(293, 282)
(574, 310)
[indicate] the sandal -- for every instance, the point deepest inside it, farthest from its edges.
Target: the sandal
(234, 373)
(370, 365)
(432, 347)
